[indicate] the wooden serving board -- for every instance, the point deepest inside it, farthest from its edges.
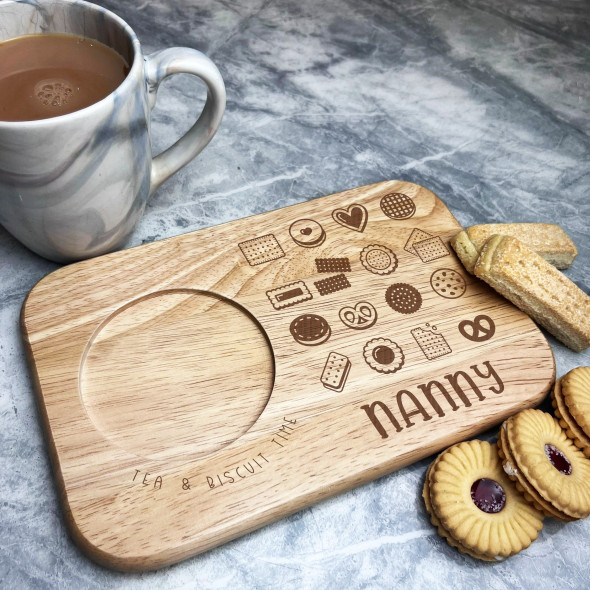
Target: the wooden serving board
(197, 388)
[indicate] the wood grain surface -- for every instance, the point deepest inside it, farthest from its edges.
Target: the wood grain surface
(200, 387)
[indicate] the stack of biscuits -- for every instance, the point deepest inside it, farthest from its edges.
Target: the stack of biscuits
(489, 501)
(521, 262)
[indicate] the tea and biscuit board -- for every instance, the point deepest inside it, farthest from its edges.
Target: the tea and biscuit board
(197, 388)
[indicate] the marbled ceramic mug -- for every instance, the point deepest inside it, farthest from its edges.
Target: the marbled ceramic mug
(75, 186)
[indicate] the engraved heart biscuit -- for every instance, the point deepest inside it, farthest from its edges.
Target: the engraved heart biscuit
(353, 217)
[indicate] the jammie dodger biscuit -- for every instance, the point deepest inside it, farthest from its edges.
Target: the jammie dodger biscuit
(567, 421)
(548, 461)
(575, 387)
(475, 505)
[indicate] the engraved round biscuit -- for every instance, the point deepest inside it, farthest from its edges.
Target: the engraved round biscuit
(310, 329)
(398, 206)
(550, 462)
(378, 259)
(477, 505)
(448, 283)
(307, 233)
(403, 298)
(383, 355)
(576, 393)
(567, 421)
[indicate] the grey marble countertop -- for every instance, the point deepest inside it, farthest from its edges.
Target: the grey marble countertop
(487, 103)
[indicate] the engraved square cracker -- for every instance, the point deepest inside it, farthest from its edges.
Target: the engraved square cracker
(262, 249)
(417, 235)
(431, 249)
(332, 284)
(332, 264)
(335, 371)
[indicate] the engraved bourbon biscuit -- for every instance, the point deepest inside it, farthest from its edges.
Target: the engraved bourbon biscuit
(332, 284)
(261, 250)
(335, 371)
(288, 295)
(332, 264)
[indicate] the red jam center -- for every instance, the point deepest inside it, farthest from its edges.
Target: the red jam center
(488, 495)
(558, 459)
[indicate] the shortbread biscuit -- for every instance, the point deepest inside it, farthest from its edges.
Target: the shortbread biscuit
(567, 421)
(546, 239)
(538, 288)
(550, 461)
(576, 392)
(477, 505)
(522, 484)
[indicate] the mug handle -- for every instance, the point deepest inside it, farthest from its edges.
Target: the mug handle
(182, 60)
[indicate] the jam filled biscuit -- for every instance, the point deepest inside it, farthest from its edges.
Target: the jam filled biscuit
(567, 421)
(475, 505)
(403, 298)
(522, 484)
(548, 461)
(383, 355)
(307, 233)
(310, 330)
(378, 259)
(448, 283)
(575, 387)
(398, 206)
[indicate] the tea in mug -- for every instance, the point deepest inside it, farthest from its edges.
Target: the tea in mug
(47, 75)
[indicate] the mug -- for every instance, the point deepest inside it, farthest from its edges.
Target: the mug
(75, 186)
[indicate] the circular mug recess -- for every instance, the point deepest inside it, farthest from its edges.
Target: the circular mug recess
(178, 373)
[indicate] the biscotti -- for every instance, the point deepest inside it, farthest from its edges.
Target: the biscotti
(538, 288)
(546, 239)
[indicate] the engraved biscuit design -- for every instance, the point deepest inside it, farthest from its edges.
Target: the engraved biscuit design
(360, 317)
(378, 259)
(288, 295)
(307, 233)
(354, 217)
(417, 235)
(431, 249)
(448, 283)
(431, 343)
(332, 284)
(398, 206)
(261, 250)
(310, 329)
(403, 298)
(383, 355)
(335, 371)
(332, 264)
